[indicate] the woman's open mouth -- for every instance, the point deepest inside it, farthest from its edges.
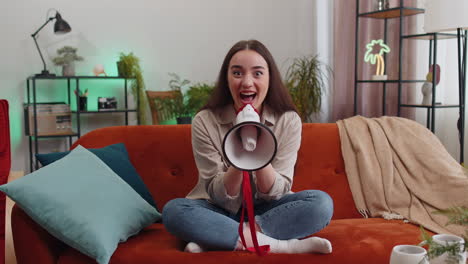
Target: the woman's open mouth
(247, 97)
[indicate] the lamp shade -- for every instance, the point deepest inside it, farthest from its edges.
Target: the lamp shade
(61, 26)
(447, 15)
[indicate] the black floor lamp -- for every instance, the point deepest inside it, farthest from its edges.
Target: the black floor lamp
(450, 16)
(61, 27)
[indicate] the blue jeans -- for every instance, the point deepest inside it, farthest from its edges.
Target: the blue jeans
(295, 215)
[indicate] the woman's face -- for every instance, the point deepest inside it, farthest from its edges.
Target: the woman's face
(248, 79)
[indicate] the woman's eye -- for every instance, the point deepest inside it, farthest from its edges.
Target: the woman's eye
(236, 73)
(258, 73)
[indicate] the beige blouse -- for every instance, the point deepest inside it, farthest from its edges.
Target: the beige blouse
(208, 131)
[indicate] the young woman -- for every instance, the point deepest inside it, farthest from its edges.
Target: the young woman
(209, 216)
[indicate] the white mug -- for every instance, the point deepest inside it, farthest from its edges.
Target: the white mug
(443, 239)
(408, 254)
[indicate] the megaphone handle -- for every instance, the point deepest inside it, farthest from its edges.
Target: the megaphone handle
(247, 202)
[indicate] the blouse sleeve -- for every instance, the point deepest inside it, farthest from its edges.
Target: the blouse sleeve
(211, 168)
(289, 141)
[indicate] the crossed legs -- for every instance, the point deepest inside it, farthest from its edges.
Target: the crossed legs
(280, 224)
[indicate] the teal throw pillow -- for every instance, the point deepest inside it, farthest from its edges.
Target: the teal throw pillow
(116, 157)
(82, 202)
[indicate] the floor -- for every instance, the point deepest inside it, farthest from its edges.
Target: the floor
(10, 257)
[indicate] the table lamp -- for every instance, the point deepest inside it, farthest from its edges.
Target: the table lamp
(60, 27)
(451, 15)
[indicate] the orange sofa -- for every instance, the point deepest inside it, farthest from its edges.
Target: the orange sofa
(163, 157)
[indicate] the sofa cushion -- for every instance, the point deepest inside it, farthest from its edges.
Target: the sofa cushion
(161, 154)
(354, 241)
(82, 202)
(116, 157)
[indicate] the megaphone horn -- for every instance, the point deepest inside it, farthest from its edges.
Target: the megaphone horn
(249, 145)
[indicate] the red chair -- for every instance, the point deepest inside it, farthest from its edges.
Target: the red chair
(5, 165)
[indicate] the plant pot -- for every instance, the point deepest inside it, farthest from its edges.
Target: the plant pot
(83, 103)
(120, 69)
(184, 120)
(68, 69)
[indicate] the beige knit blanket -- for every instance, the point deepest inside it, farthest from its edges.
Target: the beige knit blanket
(398, 169)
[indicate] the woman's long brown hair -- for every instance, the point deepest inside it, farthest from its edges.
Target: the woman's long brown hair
(277, 98)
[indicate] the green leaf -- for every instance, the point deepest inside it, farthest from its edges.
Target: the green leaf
(457, 215)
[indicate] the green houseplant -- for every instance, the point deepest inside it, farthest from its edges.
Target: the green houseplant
(66, 58)
(176, 106)
(183, 106)
(457, 216)
(128, 66)
(198, 95)
(305, 79)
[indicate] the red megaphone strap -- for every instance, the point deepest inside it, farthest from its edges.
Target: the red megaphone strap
(247, 202)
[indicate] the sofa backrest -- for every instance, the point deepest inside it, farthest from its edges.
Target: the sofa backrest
(162, 155)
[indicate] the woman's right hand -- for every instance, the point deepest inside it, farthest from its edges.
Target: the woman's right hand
(233, 181)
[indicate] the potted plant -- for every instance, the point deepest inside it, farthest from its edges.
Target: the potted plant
(182, 106)
(66, 58)
(179, 105)
(305, 79)
(128, 66)
(448, 248)
(198, 95)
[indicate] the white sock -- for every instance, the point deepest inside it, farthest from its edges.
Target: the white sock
(193, 247)
(292, 246)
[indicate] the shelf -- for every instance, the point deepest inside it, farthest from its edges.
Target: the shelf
(430, 106)
(57, 135)
(431, 36)
(77, 77)
(76, 115)
(106, 111)
(377, 81)
(390, 81)
(396, 83)
(392, 12)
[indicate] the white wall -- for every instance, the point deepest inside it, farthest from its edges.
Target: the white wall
(446, 91)
(188, 37)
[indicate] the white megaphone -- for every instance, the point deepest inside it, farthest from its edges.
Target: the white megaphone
(249, 145)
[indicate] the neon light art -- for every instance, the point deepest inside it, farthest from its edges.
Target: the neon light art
(377, 57)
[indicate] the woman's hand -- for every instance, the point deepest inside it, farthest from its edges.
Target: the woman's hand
(233, 181)
(265, 178)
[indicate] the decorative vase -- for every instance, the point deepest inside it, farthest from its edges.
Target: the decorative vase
(426, 90)
(446, 239)
(381, 5)
(408, 254)
(83, 103)
(68, 69)
(99, 69)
